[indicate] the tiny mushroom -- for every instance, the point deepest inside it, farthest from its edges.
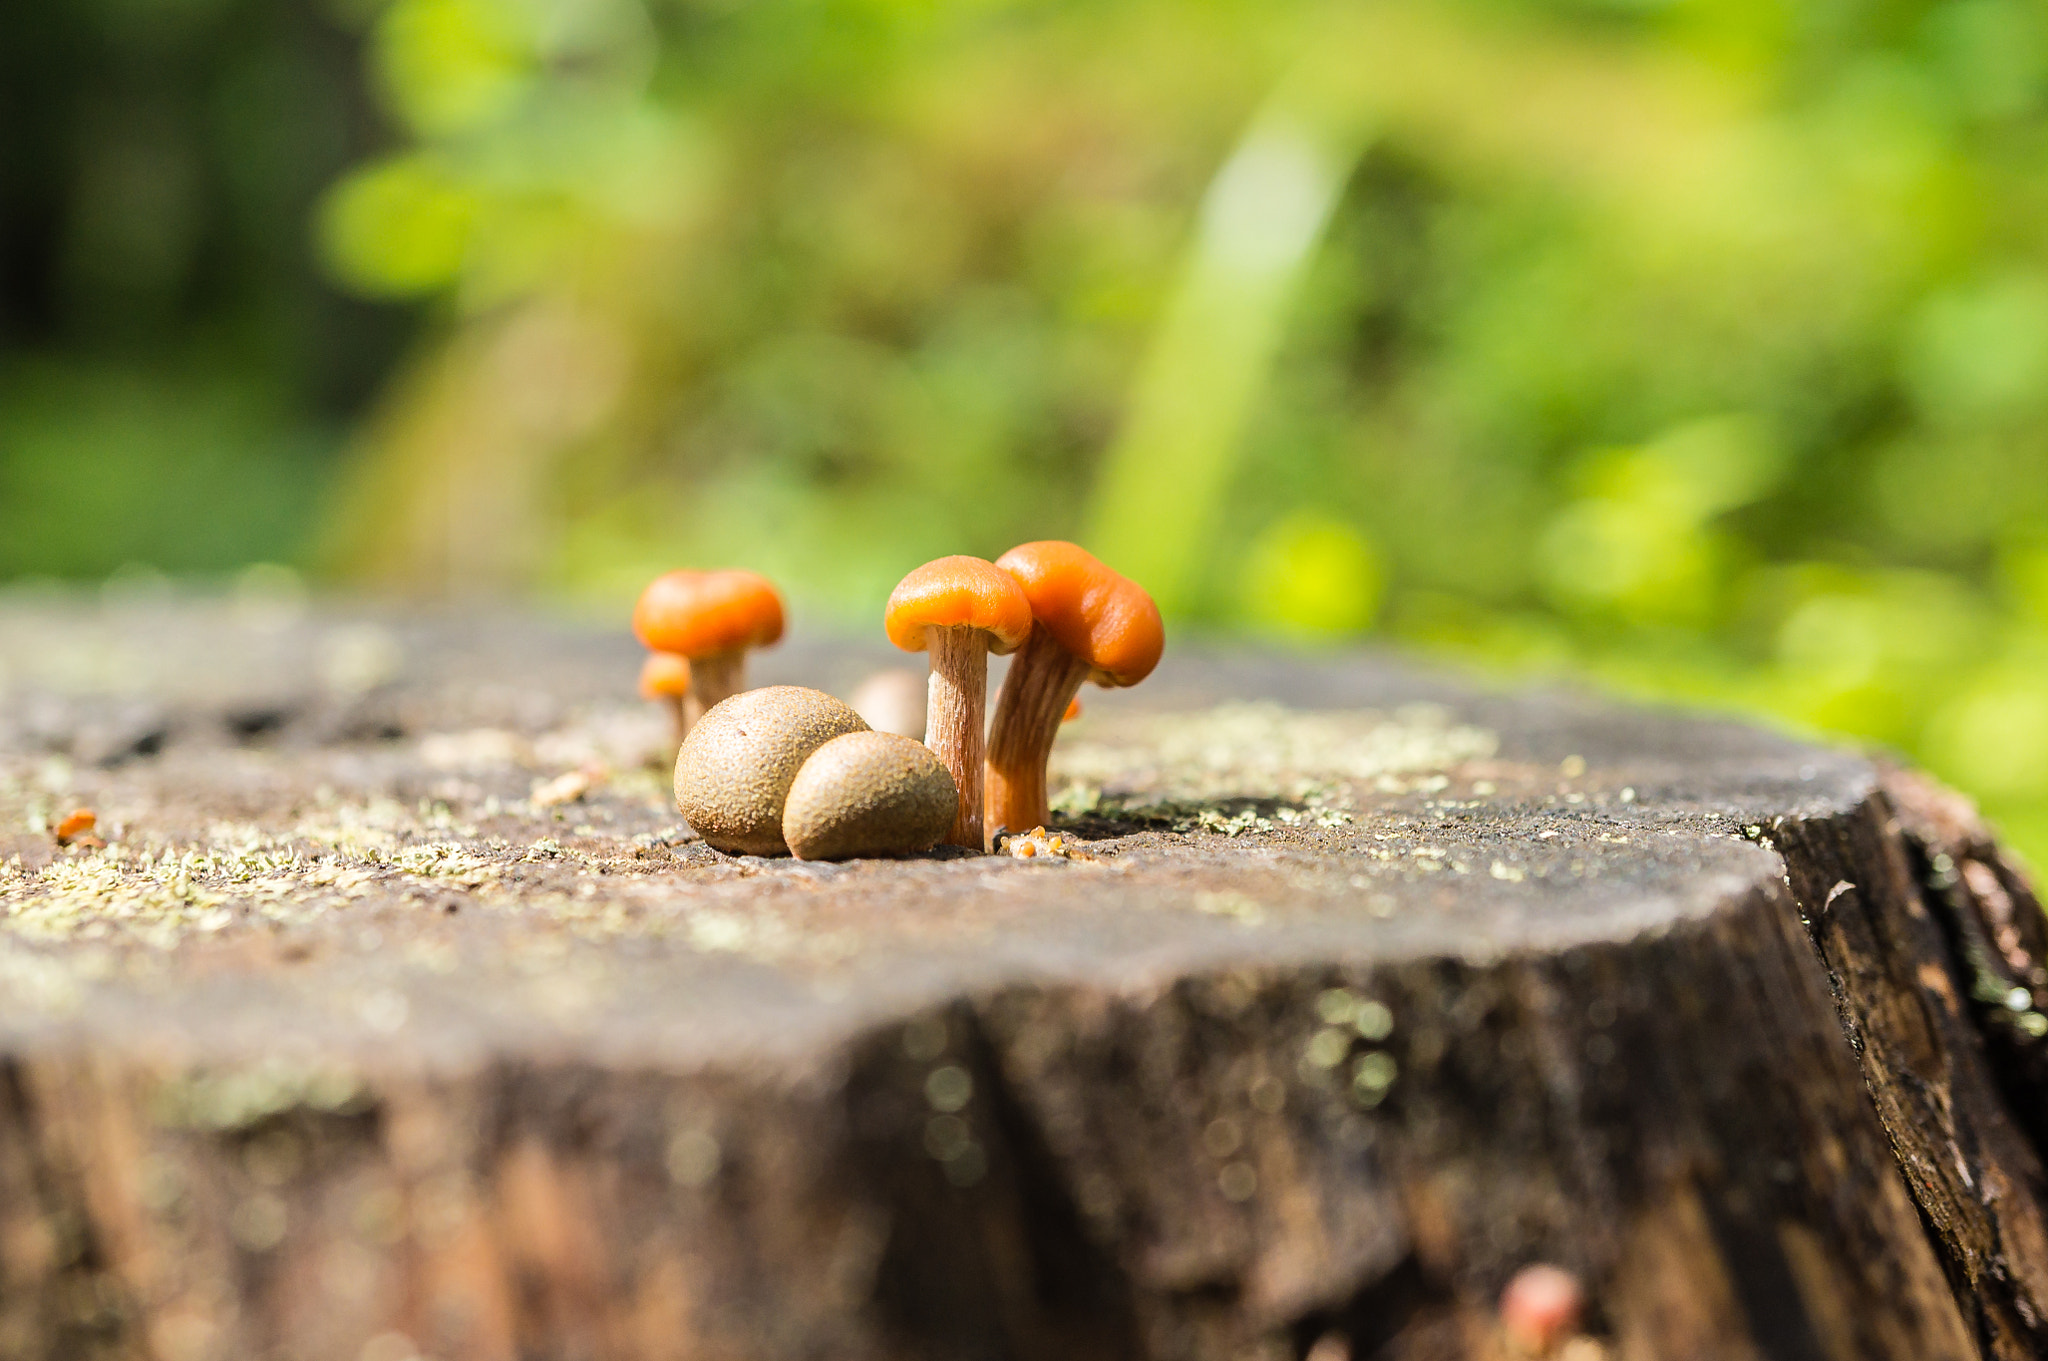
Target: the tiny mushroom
(712, 618)
(868, 793)
(892, 700)
(665, 676)
(960, 609)
(76, 829)
(1088, 624)
(735, 768)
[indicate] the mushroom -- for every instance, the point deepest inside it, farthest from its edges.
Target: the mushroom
(665, 676)
(960, 609)
(712, 618)
(1088, 624)
(735, 768)
(892, 700)
(868, 793)
(76, 829)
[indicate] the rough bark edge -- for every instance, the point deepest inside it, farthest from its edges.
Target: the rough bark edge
(1925, 926)
(1674, 1117)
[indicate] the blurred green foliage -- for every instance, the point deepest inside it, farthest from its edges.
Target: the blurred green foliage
(1699, 346)
(176, 377)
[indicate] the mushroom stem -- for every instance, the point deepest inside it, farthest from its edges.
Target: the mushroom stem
(676, 705)
(956, 705)
(1043, 680)
(713, 677)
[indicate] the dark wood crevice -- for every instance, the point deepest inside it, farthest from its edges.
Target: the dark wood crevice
(1905, 949)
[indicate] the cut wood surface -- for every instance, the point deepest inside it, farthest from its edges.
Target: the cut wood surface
(401, 1017)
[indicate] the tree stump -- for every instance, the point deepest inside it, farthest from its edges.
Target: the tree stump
(400, 1017)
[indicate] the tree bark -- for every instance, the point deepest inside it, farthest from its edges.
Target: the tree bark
(369, 1036)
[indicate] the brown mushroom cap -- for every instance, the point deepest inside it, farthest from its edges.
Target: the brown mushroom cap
(735, 768)
(868, 793)
(1106, 620)
(958, 592)
(701, 614)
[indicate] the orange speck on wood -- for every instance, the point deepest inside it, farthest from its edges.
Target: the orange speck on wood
(1541, 1307)
(76, 825)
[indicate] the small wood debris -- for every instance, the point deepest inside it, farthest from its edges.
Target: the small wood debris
(570, 787)
(1038, 843)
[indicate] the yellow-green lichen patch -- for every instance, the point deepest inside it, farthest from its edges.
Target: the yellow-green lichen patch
(446, 860)
(1256, 752)
(159, 894)
(93, 895)
(373, 826)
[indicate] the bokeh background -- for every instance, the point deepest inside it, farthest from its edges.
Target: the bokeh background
(1698, 347)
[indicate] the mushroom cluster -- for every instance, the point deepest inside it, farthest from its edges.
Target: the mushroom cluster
(712, 620)
(792, 771)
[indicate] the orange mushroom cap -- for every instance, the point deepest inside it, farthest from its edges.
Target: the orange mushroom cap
(76, 826)
(701, 614)
(1106, 620)
(664, 675)
(959, 592)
